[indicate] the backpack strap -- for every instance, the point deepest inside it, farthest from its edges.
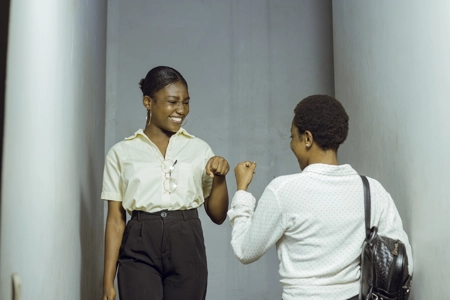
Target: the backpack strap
(366, 203)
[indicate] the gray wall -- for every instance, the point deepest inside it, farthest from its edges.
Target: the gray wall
(52, 217)
(392, 74)
(247, 63)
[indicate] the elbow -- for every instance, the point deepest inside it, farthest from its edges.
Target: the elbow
(215, 216)
(243, 257)
(219, 220)
(246, 260)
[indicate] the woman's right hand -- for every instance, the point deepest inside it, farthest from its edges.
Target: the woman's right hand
(244, 174)
(109, 293)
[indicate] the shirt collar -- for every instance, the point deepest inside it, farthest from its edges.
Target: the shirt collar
(181, 131)
(333, 170)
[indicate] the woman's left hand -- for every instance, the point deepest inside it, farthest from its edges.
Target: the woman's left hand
(217, 166)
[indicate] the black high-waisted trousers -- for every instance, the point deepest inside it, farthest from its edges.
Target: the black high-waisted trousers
(162, 257)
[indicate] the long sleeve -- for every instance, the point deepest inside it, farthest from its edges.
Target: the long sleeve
(255, 231)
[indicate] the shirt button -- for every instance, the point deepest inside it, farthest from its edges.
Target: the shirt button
(163, 214)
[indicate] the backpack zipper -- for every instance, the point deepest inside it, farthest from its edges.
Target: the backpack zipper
(395, 251)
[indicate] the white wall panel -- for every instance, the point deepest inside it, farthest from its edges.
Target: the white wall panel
(392, 74)
(52, 217)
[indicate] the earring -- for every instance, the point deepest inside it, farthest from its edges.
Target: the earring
(148, 117)
(185, 119)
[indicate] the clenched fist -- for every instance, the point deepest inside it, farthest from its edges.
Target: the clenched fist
(244, 174)
(217, 166)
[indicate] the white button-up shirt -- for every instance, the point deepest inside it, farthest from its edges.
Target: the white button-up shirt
(134, 175)
(316, 219)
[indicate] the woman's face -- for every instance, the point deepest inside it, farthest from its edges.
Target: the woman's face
(169, 107)
(298, 146)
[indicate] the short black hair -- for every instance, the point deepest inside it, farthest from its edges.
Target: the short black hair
(325, 118)
(159, 77)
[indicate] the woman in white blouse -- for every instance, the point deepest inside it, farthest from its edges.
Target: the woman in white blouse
(316, 217)
(161, 175)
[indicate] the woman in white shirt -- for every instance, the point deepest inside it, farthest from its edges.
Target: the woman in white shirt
(161, 175)
(316, 217)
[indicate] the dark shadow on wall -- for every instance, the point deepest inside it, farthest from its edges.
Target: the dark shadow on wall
(4, 24)
(91, 235)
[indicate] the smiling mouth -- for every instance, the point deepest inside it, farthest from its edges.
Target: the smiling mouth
(177, 120)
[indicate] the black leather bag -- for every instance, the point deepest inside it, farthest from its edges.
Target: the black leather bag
(384, 262)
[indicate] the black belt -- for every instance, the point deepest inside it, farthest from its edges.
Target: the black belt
(166, 214)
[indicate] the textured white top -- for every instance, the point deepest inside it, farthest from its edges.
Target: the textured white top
(316, 219)
(133, 173)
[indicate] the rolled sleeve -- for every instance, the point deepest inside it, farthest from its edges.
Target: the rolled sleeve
(243, 204)
(111, 189)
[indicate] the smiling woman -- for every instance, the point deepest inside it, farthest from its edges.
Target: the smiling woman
(171, 89)
(161, 175)
(167, 108)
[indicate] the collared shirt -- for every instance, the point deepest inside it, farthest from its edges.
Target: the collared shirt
(134, 175)
(316, 219)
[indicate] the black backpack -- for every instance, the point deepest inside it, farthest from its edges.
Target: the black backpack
(384, 262)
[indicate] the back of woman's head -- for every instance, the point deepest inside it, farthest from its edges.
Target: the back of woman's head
(325, 118)
(159, 77)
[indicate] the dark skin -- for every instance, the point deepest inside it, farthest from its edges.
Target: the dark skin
(169, 107)
(308, 151)
(115, 226)
(305, 149)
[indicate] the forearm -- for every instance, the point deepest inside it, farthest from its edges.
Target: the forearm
(254, 231)
(240, 215)
(113, 239)
(216, 205)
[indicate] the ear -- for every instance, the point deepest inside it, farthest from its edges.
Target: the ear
(147, 101)
(308, 138)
